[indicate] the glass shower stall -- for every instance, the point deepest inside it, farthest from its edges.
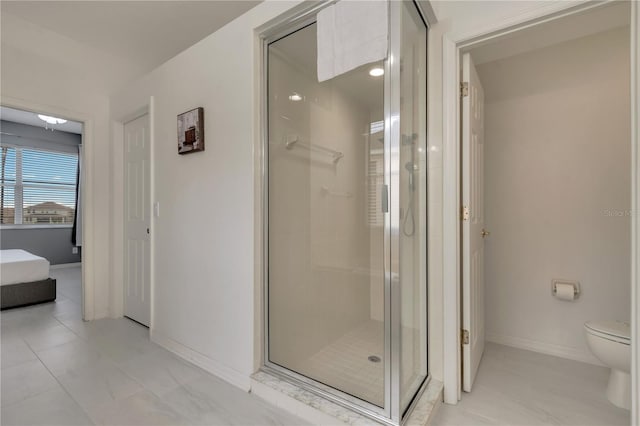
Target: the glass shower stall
(345, 207)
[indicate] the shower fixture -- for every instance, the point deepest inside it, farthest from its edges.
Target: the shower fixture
(411, 168)
(409, 223)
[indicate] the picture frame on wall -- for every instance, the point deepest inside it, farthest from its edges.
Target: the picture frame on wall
(191, 131)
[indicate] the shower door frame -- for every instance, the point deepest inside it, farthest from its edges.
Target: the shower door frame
(391, 412)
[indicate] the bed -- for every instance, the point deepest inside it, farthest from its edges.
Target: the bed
(24, 279)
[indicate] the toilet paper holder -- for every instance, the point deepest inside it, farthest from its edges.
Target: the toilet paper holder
(575, 284)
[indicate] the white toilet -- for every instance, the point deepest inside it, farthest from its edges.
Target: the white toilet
(610, 342)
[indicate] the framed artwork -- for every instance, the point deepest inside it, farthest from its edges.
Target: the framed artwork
(191, 131)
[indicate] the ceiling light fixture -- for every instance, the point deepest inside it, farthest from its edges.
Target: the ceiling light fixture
(376, 72)
(51, 120)
(295, 97)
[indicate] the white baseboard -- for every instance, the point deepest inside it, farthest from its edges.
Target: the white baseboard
(65, 265)
(214, 367)
(544, 348)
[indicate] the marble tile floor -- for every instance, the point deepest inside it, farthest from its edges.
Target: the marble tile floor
(517, 387)
(60, 370)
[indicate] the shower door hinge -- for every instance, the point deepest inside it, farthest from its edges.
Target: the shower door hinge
(465, 213)
(464, 89)
(464, 336)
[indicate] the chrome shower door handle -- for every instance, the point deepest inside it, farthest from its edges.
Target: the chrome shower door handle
(385, 199)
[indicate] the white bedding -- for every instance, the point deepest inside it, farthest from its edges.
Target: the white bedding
(19, 266)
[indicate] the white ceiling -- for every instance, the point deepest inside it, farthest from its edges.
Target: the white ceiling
(31, 118)
(146, 32)
(600, 19)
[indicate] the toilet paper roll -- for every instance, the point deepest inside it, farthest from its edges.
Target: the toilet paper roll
(565, 292)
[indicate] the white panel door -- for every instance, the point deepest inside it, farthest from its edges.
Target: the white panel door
(137, 263)
(472, 222)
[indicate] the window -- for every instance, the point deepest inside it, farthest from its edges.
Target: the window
(37, 186)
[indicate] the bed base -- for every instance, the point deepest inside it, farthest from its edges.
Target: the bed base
(24, 294)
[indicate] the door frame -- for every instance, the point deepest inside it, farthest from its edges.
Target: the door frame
(87, 260)
(116, 302)
(452, 49)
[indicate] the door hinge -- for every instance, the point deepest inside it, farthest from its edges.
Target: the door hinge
(465, 213)
(464, 89)
(464, 336)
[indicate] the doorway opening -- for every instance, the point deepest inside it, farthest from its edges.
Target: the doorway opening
(546, 195)
(41, 211)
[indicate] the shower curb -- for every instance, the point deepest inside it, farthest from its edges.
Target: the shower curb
(321, 411)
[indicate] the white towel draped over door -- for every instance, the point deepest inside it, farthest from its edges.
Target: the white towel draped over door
(350, 34)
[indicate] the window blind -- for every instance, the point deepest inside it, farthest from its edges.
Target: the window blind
(40, 186)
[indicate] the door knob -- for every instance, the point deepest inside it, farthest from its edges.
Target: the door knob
(485, 233)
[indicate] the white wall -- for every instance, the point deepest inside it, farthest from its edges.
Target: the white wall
(557, 173)
(470, 18)
(52, 73)
(204, 239)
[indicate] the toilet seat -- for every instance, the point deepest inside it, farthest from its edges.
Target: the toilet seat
(616, 331)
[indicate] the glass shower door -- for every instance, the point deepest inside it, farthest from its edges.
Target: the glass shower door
(407, 174)
(413, 203)
(326, 159)
(346, 263)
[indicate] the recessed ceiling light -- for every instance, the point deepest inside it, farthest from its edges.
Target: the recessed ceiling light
(295, 97)
(376, 72)
(51, 120)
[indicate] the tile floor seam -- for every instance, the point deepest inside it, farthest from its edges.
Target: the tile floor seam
(65, 326)
(60, 384)
(34, 394)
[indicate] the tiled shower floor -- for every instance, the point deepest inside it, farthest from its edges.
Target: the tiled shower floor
(344, 364)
